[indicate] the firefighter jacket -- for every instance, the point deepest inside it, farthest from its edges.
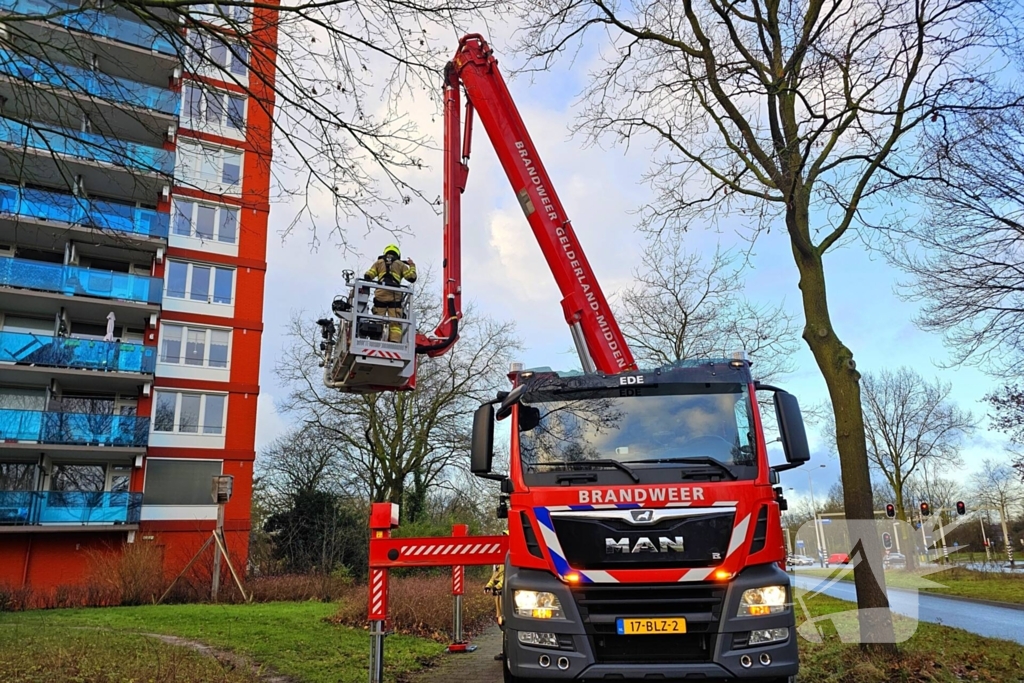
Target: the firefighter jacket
(497, 578)
(390, 274)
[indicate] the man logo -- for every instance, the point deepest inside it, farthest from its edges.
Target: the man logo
(640, 516)
(666, 544)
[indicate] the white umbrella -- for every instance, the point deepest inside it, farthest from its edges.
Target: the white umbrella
(111, 319)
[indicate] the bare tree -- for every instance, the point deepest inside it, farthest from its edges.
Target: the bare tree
(303, 459)
(683, 306)
(968, 267)
(331, 82)
(999, 488)
(792, 115)
(389, 440)
(1008, 417)
(911, 424)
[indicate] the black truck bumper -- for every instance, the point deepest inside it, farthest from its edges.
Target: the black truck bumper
(716, 646)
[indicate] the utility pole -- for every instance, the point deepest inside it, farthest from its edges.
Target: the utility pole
(984, 539)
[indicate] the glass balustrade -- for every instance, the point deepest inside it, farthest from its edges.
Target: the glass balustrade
(95, 22)
(75, 280)
(93, 83)
(54, 140)
(73, 429)
(24, 508)
(86, 354)
(93, 213)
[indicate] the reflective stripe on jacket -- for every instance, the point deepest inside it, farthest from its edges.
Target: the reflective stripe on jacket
(380, 273)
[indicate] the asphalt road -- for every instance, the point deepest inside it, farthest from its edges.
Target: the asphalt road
(985, 620)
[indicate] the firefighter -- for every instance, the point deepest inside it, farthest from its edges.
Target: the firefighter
(390, 269)
(495, 585)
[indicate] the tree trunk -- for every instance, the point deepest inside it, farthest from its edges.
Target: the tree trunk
(843, 381)
(905, 531)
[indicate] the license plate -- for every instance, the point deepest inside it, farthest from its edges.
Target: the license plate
(649, 626)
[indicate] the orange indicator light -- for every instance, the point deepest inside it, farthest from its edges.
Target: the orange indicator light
(722, 575)
(572, 578)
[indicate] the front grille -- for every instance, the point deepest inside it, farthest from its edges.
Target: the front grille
(661, 648)
(601, 606)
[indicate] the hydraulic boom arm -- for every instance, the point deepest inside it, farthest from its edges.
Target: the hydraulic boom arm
(595, 331)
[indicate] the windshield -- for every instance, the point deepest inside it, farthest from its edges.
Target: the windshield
(653, 426)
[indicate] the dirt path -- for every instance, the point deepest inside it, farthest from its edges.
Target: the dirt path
(478, 666)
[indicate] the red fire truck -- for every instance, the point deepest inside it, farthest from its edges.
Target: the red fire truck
(644, 517)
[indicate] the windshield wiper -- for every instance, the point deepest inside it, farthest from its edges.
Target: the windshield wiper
(695, 460)
(600, 462)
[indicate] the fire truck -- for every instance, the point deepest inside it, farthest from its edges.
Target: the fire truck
(644, 517)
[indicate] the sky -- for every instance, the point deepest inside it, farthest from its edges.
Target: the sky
(505, 276)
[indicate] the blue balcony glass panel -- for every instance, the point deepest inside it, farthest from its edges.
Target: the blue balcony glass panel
(74, 280)
(92, 83)
(93, 213)
(53, 140)
(74, 429)
(25, 508)
(90, 507)
(95, 22)
(86, 354)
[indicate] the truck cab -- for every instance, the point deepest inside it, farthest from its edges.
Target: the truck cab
(644, 523)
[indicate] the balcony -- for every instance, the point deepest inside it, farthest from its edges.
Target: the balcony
(76, 354)
(48, 155)
(93, 21)
(76, 281)
(69, 508)
(91, 83)
(67, 209)
(73, 429)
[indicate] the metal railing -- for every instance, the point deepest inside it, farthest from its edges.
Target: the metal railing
(34, 508)
(73, 429)
(85, 354)
(92, 83)
(75, 280)
(89, 146)
(93, 213)
(95, 22)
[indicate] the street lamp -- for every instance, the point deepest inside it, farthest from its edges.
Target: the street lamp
(819, 533)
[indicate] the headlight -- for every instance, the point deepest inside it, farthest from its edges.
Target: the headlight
(761, 601)
(537, 605)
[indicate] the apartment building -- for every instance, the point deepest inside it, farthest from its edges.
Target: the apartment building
(134, 197)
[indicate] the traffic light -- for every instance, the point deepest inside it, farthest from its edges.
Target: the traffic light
(890, 510)
(961, 508)
(926, 510)
(887, 541)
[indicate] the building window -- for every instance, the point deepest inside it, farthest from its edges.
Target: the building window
(198, 346)
(197, 282)
(78, 478)
(205, 221)
(205, 108)
(229, 15)
(204, 166)
(17, 476)
(180, 412)
(180, 482)
(215, 50)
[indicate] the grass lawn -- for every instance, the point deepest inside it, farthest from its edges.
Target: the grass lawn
(967, 583)
(933, 654)
(291, 637)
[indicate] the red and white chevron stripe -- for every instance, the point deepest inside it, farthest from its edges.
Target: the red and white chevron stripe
(378, 353)
(378, 594)
(449, 549)
(458, 574)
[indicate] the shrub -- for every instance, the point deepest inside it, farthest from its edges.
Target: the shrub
(14, 599)
(421, 606)
(293, 587)
(129, 575)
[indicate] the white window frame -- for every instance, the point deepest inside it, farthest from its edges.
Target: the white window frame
(201, 424)
(191, 157)
(161, 358)
(222, 15)
(189, 273)
(220, 210)
(199, 59)
(222, 127)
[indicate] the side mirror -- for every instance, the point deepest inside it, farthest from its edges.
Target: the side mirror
(529, 417)
(482, 447)
(791, 429)
(505, 409)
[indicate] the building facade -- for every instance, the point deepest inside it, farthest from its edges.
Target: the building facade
(134, 199)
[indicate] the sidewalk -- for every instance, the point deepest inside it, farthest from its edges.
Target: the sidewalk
(478, 666)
